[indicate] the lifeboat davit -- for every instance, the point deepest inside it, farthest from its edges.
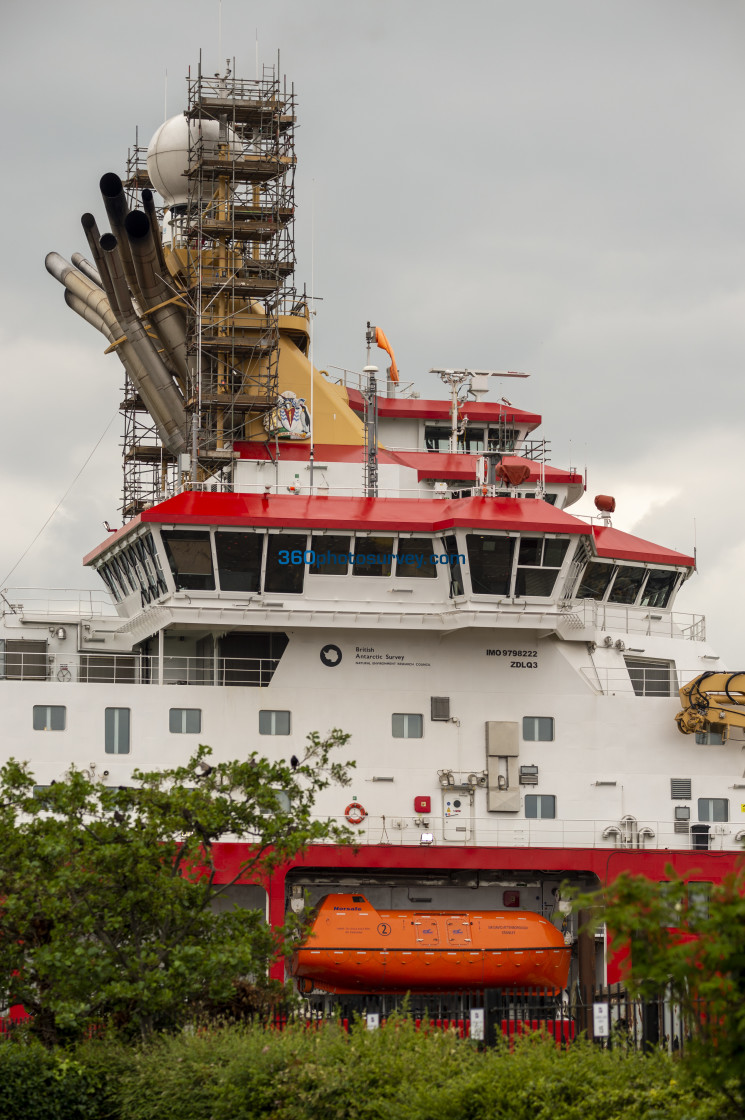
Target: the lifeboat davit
(352, 947)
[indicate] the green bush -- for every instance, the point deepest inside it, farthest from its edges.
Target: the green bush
(248, 1073)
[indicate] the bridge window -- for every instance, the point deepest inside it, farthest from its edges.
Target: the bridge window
(658, 588)
(49, 717)
(456, 575)
(713, 809)
(239, 560)
(407, 725)
(285, 563)
(330, 555)
(540, 806)
(626, 585)
(595, 581)
(373, 556)
(538, 563)
(416, 558)
(490, 561)
(190, 557)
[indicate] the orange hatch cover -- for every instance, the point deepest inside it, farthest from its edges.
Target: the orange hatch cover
(352, 947)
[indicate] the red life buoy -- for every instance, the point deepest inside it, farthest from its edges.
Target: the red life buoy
(355, 813)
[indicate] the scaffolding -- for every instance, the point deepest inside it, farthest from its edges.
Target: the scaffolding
(232, 258)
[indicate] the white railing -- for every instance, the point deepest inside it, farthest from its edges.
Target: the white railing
(56, 602)
(640, 680)
(626, 834)
(639, 620)
(127, 668)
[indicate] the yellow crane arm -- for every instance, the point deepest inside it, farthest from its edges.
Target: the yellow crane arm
(712, 702)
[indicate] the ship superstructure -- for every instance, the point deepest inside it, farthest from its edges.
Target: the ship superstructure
(301, 552)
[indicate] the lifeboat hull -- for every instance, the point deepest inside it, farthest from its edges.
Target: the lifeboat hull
(352, 947)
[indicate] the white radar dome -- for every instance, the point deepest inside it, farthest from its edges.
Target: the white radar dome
(168, 154)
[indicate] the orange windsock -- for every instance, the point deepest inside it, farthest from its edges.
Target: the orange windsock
(384, 344)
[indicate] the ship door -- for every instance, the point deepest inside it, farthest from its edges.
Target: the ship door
(459, 931)
(427, 933)
(456, 815)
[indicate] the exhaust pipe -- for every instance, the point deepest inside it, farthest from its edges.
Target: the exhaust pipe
(169, 406)
(84, 265)
(117, 209)
(148, 204)
(92, 305)
(164, 315)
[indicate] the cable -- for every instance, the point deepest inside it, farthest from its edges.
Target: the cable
(59, 503)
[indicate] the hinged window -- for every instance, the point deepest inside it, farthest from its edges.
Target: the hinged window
(185, 721)
(274, 723)
(407, 725)
(49, 717)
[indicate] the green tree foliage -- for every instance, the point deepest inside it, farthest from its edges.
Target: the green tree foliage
(691, 947)
(108, 894)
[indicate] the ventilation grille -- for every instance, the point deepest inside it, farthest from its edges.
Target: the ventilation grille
(440, 707)
(682, 827)
(680, 789)
(528, 775)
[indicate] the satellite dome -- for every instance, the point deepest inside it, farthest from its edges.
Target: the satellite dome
(168, 154)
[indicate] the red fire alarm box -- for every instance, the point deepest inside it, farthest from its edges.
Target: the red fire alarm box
(422, 804)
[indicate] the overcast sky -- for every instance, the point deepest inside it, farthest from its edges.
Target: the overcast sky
(553, 186)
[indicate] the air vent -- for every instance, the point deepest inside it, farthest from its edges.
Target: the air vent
(680, 789)
(440, 707)
(681, 827)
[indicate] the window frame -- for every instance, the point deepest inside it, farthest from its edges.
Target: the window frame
(184, 730)
(539, 738)
(50, 708)
(406, 717)
(115, 731)
(535, 801)
(274, 712)
(711, 803)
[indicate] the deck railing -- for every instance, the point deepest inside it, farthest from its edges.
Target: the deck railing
(140, 668)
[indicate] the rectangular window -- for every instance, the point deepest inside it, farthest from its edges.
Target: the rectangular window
(239, 560)
(658, 588)
(190, 559)
(456, 576)
(538, 562)
(416, 558)
(117, 731)
(713, 809)
(372, 556)
(710, 738)
(25, 660)
(330, 555)
(274, 723)
(285, 563)
(699, 894)
(595, 581)
(502, 439)
(540, 806)
(626, 585)
(651, 678)
(407, 725)
(51, 718)
(490, 561)
(538, 729)
(185, 721)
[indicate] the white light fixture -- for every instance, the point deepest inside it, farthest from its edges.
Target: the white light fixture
(427, 839)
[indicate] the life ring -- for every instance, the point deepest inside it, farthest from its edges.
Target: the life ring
(355, 813)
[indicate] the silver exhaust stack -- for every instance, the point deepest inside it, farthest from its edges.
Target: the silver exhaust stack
(164, 315)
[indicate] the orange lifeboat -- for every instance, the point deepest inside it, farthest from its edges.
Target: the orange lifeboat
(352, 947)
